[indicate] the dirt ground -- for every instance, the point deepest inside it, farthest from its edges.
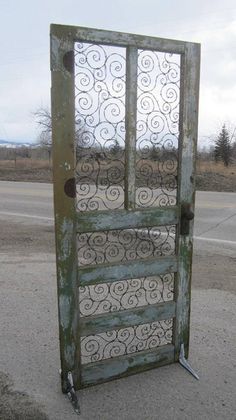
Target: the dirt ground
(210, 273)
(16, 405)
(26, 249)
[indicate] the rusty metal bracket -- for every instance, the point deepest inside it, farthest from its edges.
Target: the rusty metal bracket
(186, 216)
(183, 361)
(71, 393)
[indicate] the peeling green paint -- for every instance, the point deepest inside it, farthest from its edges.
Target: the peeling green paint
(65, 238)
(125, 219)
(65, 311)
(70, 353)
(65, 207)
(126, 365)
(68, 222)
(188, 133)
(136, 316)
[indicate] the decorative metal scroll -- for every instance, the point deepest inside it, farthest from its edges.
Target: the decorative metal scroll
(157, 128)
(125, 245)
(100, 86)
(100, 126)
(124, 264)
(125, 294)
(125, 341)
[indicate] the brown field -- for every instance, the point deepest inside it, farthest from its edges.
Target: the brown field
(213, 167)
(211, 176)
(26, 169)
(25, 163)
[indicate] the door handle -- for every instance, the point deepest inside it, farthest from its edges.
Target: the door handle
(186, 216)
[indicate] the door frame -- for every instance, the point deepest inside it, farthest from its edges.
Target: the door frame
(64, 159)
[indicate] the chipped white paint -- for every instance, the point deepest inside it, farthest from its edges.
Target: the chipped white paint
(66, 230)
(65, 307)
(67, 166)
(70, 351)
(63, 38)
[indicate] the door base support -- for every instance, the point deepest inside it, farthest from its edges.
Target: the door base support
(71, 393)
(183, 361)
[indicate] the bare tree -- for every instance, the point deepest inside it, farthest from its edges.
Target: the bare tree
(44, 121)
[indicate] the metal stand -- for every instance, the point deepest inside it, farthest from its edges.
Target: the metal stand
(71, 393)
(185, 363)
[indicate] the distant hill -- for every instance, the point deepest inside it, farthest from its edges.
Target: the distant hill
(15, 144)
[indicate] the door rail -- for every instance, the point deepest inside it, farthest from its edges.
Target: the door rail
(127, 318)
(120, 366)
(131, 269)
(125, 219)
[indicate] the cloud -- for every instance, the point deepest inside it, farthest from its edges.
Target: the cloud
(25, 73)
(218, 82)
(21, 94)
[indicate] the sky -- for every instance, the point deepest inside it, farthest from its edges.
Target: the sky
(24, 65)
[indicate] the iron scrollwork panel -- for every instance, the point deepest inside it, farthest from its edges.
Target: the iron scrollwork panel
(114, 246)
(125, 341)
(125, 294)
(157, 128)
(100, 84)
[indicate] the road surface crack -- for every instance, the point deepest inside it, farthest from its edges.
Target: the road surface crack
(216, 225)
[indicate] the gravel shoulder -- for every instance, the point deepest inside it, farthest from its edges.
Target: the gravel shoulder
(29, 353)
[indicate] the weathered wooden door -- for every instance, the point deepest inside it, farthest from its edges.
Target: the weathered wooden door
(124, 118)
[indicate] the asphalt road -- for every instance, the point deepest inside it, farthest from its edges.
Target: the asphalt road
(29, 352)
(215, 213)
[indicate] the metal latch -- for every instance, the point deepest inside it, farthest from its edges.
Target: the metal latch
(186, 216)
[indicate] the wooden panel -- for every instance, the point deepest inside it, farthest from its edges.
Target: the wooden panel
(130, 126)
(64, 202)
(124, 219)
(128, 318)
(188, 135)
(128, 270)
(106, 370)
(118, 38)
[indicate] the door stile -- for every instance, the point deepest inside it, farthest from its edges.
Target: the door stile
(73, 272)
(130, 125)
(63, 133)
(190, 75)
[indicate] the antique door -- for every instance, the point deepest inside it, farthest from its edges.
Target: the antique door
(124, 122)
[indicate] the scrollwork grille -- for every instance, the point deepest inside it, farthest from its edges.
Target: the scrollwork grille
(157, 128)
(100, 95)
(125, 294)
(125, 341)
(125, 245)
(100, 126)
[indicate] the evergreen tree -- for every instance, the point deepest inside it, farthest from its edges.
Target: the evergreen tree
(116, 149)
(223, 147)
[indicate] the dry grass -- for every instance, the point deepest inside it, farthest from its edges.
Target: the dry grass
(211, 176)
(213, 167)
(25, 169)
(25, 163)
